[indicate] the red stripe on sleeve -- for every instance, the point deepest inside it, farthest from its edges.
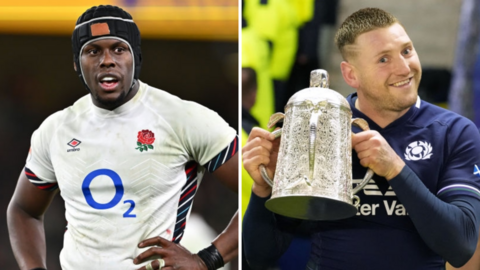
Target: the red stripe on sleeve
(234, 146)
(193, 188)
(31, 174)
(188, 170)
(46, 186)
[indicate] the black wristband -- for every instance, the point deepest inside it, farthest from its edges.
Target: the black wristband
(38, 268)
(211, 257)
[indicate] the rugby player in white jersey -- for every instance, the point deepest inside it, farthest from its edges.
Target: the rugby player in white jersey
(127, 159)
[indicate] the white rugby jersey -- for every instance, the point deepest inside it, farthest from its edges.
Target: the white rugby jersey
(128, 174)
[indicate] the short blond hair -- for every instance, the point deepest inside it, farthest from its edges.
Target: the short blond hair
(360, 22)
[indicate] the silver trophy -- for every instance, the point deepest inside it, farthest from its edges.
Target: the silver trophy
(313, 178)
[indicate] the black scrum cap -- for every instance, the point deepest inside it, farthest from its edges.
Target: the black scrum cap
(106, 21)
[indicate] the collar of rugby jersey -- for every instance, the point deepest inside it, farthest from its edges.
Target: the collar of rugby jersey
(124, 108)
(395, 124)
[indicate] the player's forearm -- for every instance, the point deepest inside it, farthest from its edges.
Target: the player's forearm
(263, 240)
(472, 264)
(27, 238)
(448, 228)
(227, 241)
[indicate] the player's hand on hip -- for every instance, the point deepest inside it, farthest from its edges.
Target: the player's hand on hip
(261, 148)
(375, 153)
(174, 256)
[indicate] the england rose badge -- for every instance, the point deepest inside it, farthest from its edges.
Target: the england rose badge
(145, 139)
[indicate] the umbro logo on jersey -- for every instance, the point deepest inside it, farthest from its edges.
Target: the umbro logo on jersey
(418, 150)
(74, 143)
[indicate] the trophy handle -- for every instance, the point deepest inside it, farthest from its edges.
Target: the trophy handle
(361, 123)
(276, 117)
(311, 146)
(263, 171)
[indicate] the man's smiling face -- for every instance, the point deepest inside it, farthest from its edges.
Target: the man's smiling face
(387, 68)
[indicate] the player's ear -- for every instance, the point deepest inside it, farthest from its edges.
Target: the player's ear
(75, 66)
(348, 73)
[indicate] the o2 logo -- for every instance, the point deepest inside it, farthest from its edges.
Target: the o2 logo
(117, 182)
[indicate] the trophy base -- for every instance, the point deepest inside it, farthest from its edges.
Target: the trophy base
(311, 207)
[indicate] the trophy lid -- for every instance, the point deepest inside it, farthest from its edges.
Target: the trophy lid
(318, 91)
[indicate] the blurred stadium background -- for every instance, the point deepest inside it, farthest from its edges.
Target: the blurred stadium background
(189, 47)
